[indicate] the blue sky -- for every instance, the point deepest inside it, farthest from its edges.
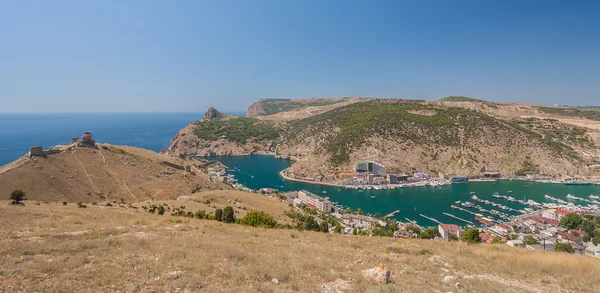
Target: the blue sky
(73, 56)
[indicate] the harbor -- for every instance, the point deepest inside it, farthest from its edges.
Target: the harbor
(509, 197)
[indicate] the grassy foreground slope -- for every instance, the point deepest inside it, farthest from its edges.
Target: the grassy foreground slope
(56, 248)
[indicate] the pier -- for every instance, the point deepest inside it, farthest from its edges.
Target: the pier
(430, 219)
(392, 214)
(455, 217)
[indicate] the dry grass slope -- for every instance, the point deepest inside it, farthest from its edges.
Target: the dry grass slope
(101, 174)
(56, 248)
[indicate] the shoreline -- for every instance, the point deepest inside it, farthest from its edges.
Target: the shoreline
(306, 181)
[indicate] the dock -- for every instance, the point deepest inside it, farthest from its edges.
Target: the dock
(412, 222)
(431, 219)
(455, 217)
(392, 214)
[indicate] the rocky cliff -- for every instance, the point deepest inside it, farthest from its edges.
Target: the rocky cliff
(218, 134)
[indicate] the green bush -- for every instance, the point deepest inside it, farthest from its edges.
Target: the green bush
(228, 215)
(17, 196)
(218, 214)
(258, 219)
(564, 247)
(471, 235)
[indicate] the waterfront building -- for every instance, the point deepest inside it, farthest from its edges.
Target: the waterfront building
(318, 203)
(555, 214)
(421, 175)
(460, 179)
(363, 168)
(360, 221)
(492, 175)
(448, 229)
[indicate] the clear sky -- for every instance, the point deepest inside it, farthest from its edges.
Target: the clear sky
(125, 55)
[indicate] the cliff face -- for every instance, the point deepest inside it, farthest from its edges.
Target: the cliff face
(256, 109)
(187, 143)
(218, 134)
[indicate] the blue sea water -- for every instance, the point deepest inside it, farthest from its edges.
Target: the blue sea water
(151, 131)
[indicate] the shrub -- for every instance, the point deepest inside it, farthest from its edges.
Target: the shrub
(218, 214)
(425, 252)
(64, 203)
(471, 235)
(258, 219)
(161, 210)
(17, 196)
(200, 214)
(429, 233)
(564, 247)
(81, 205)
(228, 215)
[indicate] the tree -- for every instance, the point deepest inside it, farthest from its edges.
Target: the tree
(17, 196)
(429, 233)
(347, 211)
(258, 219)
(354, 231)
(512, 237)
(338, 228)
(414, 229)
(571, 221)
(496, 240)
(588, 227)
(453, 237)
(596, 239)
(360, 211)
(161, 210)
(218, 214)
(228, 215)
(471, 235)
(564, 247)
(324, 227)
(529, 240)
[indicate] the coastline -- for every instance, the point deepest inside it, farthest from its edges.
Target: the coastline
(281, 173)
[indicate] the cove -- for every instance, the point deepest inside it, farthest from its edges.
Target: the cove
(262, 171)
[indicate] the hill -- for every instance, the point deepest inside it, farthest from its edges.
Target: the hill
(223, 136)
(56, 248)
(454, 135)
(106, 173)
(410, 136)
(300, 108)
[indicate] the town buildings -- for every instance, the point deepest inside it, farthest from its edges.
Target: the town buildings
(449, 229)
(318, 203)
(555, 214)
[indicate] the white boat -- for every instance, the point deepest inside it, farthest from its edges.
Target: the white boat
(323, 191)
(372, 196)
(547, 196)
(594, 196)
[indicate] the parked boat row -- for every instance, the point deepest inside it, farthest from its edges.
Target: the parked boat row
(489, 202)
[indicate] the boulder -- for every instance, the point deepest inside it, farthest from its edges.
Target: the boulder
(448, 279)
(378, 274)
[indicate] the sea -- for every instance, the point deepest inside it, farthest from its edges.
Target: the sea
(154, 131)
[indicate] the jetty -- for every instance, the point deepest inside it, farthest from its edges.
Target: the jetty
(430, 219)
(412, 222)
(455, 217)
(392, 214)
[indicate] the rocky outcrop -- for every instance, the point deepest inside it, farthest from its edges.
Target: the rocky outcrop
(256, 109)
(212, 113)
(379, 274)
(187, 143)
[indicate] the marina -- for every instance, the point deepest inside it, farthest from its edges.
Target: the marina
(509, 197)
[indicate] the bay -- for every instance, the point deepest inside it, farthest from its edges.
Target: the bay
(260, 171)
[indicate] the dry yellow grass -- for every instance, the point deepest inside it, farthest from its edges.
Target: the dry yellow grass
(90, 175)
(56, 248)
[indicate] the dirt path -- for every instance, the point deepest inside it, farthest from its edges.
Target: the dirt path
(87, 175)
(121, 182)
